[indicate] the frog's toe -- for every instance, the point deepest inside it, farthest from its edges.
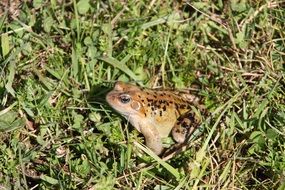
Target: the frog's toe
(179, 134)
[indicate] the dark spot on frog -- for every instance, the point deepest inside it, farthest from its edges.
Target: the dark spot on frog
(191, 116)
(164, 108)
(177, 130)
(149, 99)
(185, 124)
(160, 112)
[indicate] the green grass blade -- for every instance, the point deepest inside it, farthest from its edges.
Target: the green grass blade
(11, 76)
(167, 166)
(5, 44)
(120, 65)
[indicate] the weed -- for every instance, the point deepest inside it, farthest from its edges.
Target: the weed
(59, 58)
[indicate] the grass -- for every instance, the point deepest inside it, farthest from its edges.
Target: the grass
(59, 58)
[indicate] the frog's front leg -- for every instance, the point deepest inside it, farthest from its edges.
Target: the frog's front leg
(152, 138)
(185, 126)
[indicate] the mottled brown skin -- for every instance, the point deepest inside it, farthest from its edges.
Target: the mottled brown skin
(154, 113)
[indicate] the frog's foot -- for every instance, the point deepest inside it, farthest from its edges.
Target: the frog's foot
(185, 126)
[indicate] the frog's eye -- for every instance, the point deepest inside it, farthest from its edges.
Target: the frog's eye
(125, 98)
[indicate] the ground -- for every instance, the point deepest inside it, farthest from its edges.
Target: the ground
(58, 59)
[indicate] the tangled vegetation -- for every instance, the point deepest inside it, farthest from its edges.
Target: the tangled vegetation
(59, 58)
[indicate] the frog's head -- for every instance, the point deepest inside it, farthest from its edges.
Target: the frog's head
(123, 98)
